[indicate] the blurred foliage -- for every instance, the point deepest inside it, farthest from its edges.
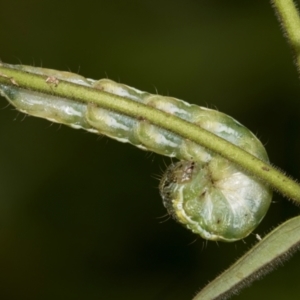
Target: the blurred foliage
(80, 215)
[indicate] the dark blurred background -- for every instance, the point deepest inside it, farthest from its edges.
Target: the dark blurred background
(80, 215)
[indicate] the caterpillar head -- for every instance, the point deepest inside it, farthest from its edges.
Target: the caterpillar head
(214, 199)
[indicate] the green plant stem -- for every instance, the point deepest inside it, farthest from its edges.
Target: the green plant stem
(251, 164)
(289, 19)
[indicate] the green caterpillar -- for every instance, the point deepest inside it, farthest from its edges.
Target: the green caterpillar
(203, 191)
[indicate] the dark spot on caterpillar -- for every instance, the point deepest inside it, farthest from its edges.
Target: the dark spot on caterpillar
(265, 168)
(141, 118)
(210, 178)
(203, 194)
(218, 221)
(190, 168)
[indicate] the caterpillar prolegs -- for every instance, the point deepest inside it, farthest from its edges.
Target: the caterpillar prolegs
(203, 191)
